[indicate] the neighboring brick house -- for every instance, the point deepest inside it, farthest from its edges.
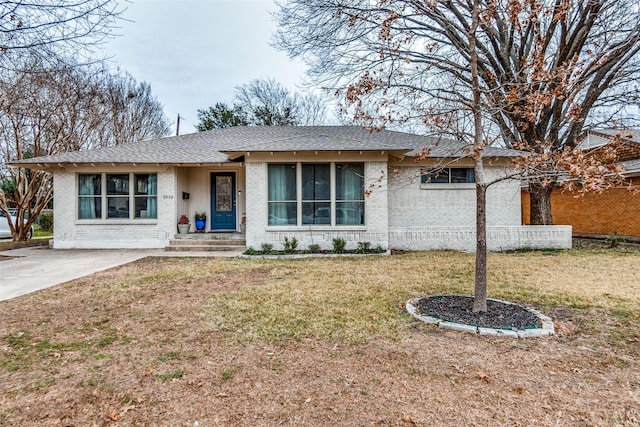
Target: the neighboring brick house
(615, 211)
(312, 183)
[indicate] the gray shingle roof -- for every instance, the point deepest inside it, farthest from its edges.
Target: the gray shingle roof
(627, 134)
(631, 167)
(216, 146)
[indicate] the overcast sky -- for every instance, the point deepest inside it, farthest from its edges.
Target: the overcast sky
(194, 52)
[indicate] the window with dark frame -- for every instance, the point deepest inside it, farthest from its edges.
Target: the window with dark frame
(449, 176)
(121, 192)
(317, 207)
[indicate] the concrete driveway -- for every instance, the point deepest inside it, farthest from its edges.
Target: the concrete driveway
(32, 269)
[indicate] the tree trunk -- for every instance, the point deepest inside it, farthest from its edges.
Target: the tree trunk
(480, 292)
(540, 204)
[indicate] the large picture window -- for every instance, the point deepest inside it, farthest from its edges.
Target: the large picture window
(127, 196)
(316, 194)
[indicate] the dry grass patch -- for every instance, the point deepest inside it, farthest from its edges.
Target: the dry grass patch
(322, 341)
(355, 299)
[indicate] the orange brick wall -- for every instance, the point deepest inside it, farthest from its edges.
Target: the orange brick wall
(624, 149)
(613, 211)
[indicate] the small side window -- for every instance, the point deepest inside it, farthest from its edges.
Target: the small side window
(448, 176)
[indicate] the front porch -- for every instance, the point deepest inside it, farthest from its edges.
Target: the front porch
(217, 191)
(209, 242)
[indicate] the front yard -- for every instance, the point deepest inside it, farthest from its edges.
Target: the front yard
(167, 341)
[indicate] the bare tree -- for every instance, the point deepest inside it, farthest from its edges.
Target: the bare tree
(130, 112)
(264, 103)
(53, 25)
(474, 70)
(269, 103)
(547, 68)
(64, 108)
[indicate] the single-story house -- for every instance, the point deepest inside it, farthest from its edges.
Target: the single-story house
(615, 211)
(312, 183)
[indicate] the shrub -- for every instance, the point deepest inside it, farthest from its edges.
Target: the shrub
(46, 222)
(363, 247)
(338, 245)
(378, 249)
(267, 248)
(314, 249)
(290, 245)
(250, 251)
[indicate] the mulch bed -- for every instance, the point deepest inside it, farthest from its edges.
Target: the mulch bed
(459, 309)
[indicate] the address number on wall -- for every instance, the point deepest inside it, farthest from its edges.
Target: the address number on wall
(167, 197)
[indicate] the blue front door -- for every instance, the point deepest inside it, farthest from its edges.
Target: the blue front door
(223, 201)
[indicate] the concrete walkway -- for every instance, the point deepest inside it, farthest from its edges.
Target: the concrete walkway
(32, 269)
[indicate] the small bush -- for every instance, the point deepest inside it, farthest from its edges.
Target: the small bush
(46, 222)
(267, 248)
(251, 251)
(363, 247)
(290, 245)
(314, 249)
(378, 249)
(338, 245)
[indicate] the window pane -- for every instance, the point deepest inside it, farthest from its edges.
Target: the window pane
(118, 207)
(146, 207)
(145, 184)
(350, 181)
(349, 213)
(282, 182)
(462, 175)
(89, 185)
(118, 185)
(315, 182)
(90, 208)
(223, 193)
(282, 213)
(316, 212)
(437, 177)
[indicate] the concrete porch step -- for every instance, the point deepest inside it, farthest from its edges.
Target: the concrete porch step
(195, 242)
(203, 248)
(209, 236)
(205, 244)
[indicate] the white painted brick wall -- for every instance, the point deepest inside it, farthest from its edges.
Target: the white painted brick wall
(413, 206)
(464, 238)
(418, 219)
(69, 232)
(376, 215)
(256, 202)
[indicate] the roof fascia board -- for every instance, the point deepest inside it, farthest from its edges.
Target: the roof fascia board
(310, 156)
